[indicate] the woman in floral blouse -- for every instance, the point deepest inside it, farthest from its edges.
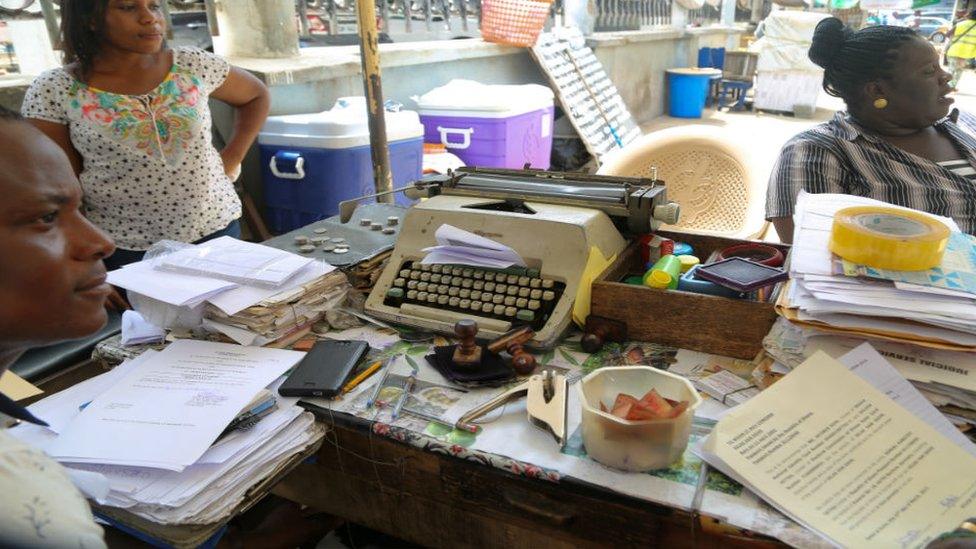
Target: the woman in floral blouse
(132, 115)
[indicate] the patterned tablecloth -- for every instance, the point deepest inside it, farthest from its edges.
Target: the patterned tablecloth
(506, 440)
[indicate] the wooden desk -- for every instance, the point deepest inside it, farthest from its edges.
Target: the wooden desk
(442, 501)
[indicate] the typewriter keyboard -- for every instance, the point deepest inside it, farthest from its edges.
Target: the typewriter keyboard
(517, 295)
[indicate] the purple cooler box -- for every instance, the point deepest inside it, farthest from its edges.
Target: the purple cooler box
(486, 126)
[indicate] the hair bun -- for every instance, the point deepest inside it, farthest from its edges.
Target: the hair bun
(828, 39)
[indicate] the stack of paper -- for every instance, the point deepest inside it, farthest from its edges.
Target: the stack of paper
(459, 247)
(142, 436)
(851, 451)
(250, 313)
(280, 317)
(235, 260)
(935, 308)
(946, 378)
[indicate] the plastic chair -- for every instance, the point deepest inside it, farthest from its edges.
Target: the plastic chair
(738, 75)
(711, 177)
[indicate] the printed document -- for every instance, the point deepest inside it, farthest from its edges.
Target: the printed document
(844, 459)
(166, 413)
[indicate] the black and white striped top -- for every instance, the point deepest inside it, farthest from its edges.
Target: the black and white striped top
(840, 156)
(960, 167)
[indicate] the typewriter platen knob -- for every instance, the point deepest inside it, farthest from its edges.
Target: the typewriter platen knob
(667, 213)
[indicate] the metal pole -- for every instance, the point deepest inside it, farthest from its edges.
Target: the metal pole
(168, 17)
(51, 22)
(208, 6)
(369, 51)
(303, 30)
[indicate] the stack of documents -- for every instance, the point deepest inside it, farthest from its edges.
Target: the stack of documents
(235, 260)
(935, 308)
(147, 436)
(281, 317)
(946, 378)
(850, 450)
(273, 294)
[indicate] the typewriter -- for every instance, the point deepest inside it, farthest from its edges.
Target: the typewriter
(557, 222)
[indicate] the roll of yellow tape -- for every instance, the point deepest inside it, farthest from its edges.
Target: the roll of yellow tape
(888, 238)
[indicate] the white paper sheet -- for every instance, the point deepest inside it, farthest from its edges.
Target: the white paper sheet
(870, 366)
(457, 246)
(232, 259)
(136, 330)
(185, 395)
(243, 296)
(175, 289)
(785, 445)
(58, 409)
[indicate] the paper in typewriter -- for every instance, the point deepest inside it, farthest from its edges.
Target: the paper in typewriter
(840, 457)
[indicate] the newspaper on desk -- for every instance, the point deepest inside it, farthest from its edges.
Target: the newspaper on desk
(509, 442)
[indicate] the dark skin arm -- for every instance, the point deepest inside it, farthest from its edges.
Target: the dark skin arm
(784, 228)
(251, 101)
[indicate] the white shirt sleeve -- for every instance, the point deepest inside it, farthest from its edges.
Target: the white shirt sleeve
(40, 506)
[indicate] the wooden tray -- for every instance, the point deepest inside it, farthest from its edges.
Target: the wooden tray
(711, 324)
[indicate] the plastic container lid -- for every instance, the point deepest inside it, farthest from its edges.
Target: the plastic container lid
(469, 98)
(344, 126)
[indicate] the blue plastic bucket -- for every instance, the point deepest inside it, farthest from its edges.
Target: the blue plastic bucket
(687, 89)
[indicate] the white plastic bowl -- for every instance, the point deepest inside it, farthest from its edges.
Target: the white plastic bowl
(635, 445)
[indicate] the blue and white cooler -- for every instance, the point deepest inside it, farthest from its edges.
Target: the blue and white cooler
(490, 126)
(312, 162)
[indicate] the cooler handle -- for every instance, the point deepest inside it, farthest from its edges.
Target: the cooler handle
(465, 133)
(293, 158)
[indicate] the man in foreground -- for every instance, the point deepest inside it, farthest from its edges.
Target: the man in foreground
(52, 288)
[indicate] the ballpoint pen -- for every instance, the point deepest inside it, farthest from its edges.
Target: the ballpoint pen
(407, 389)
(381, 382)
(463, 426)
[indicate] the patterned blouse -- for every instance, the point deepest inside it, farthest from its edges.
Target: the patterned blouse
(150, 169)
(840, 156)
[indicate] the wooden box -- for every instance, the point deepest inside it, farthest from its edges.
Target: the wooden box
(711, 324)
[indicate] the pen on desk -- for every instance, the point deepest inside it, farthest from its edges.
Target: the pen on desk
(354, 382)
(407, 389)
(463, 426)
(379, 384)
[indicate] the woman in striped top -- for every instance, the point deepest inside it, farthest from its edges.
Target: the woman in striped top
(896, 142)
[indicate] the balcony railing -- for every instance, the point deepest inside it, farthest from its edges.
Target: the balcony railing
(621, 15)
(706, 15)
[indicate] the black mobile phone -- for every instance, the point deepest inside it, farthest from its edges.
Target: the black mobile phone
(324, 369)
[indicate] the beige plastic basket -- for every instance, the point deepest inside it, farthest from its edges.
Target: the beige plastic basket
(513, 22)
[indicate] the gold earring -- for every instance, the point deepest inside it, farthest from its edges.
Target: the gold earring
(880, 103)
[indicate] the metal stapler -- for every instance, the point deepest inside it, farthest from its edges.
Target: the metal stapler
(546, 403)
